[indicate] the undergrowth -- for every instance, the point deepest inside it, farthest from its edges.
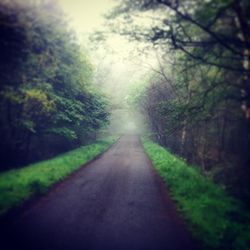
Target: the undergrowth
(218, 220)
(18, 185)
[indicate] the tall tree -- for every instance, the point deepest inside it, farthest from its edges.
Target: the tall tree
(194, 106)
(46, 99)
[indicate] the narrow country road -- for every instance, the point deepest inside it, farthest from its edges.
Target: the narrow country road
(116, 202)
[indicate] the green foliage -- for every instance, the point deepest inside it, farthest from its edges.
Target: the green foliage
(16, 186)
(48, 96)
(36, 103)
(214, 217)
(64, 132)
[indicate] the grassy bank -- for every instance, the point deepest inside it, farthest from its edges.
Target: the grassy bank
(18, 185)
(218, 220)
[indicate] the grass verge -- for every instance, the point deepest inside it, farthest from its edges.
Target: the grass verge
(218, 220)
(17, 185)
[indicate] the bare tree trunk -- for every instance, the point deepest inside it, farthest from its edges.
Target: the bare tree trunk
(183, 137)
(223, 136)
(244, 35)
(27, 147)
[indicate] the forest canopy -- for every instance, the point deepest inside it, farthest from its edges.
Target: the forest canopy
(197, 99)
(47, 102)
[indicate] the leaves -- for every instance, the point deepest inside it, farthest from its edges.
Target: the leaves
(48, 96)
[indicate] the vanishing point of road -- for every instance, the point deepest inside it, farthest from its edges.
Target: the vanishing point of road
(116, 202)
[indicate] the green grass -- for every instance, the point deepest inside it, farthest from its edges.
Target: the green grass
(218, 220)
(18, 185)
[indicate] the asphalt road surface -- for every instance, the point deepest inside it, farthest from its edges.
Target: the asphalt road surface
(116, 202)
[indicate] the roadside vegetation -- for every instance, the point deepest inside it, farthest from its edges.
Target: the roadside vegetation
(48, 104)
(217, 219)
(196, 100)
(18, 185)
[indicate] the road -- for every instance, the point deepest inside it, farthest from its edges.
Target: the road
(116, 202)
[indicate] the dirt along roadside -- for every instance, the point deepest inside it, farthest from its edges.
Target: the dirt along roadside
(116, 202)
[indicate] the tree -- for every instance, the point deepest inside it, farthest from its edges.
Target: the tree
(47, 102)
(211, 33)
(193, 103)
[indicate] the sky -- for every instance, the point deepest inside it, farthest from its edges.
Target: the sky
(86, 15)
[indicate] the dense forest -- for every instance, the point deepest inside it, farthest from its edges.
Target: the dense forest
(142, 113)
(47, 104)
(197, 98)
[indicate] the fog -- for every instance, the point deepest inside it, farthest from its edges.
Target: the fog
(117, 77)
(117, 62)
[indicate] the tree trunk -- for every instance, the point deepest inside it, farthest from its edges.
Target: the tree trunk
(183, 137)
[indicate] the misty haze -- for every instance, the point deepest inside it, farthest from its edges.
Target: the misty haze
(125, 124)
